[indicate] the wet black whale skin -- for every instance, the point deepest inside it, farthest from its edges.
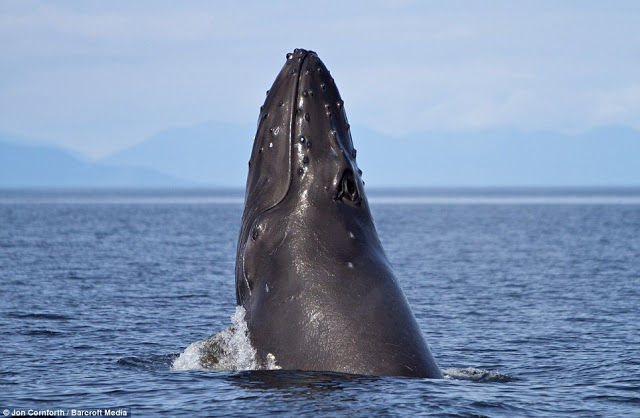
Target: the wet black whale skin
(318, 290)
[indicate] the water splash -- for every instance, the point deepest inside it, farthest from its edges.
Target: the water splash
(189, 359)
(153, 362)
(475, 375)
(229, 349)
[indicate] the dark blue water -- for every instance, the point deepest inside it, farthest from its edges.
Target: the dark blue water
(530, 301)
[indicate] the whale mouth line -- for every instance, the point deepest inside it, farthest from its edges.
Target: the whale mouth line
(292, 126)
(292, 137)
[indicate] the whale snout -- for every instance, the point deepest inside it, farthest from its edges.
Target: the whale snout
(303, 138)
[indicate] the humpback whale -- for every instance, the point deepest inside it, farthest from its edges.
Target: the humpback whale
(318, 290)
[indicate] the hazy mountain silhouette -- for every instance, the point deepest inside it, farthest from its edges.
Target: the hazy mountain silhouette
(208, 153)
(605, 156)
(29, 164)
(216, 154)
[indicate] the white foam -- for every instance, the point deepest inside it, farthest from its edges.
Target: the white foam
(236, 351)
(475, 375)
(271, 363)
(190, 358)
(240, 353)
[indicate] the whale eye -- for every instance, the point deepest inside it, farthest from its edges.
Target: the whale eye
(348, 188)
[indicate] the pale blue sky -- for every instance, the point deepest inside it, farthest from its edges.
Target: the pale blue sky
(99, 76)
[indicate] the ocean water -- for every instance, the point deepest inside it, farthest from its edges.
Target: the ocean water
(529, 299)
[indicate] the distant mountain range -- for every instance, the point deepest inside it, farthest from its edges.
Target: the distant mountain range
(207, 154)
(604, 156)
(35, 165)
(216, 154)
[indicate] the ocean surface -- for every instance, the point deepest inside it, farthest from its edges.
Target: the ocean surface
(529, 299)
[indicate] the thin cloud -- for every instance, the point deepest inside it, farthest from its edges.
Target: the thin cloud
(84, 73)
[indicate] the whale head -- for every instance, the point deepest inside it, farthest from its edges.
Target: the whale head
(318, 291)
(303, 158)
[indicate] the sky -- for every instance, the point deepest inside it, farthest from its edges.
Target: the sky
(99, 76)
